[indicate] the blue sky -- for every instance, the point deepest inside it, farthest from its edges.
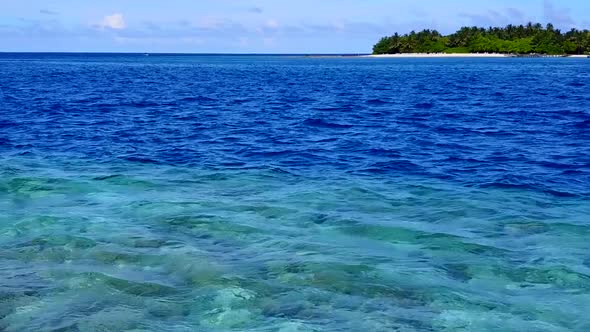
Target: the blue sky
(255, 26)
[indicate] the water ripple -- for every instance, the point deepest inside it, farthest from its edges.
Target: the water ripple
(214, 193)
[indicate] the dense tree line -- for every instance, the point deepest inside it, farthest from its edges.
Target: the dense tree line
(515, 39)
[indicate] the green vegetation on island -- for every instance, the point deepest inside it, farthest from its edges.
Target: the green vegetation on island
(513, 39)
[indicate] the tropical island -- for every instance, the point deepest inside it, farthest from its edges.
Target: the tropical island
(512, 39)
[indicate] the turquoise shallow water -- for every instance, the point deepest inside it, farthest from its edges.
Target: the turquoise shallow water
(130, 247)
(274, 193)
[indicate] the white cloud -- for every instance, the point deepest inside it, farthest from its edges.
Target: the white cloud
(211, 23)
(558, 16)
(159, 40)
(500, 17)
(339, 26)
(115, 21)
(272, 24)
(48, 12)
(255, 10)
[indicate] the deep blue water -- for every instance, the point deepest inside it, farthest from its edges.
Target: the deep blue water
(289, 193)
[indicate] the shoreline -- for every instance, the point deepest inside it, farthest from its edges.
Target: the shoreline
(439, 55)
(468, 55)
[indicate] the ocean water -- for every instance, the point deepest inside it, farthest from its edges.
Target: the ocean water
(269, 193)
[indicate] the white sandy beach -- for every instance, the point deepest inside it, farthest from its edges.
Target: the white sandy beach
(439, 55)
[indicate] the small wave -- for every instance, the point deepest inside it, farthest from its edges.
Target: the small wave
(524, 186)
(573, 172)
(495, 133)
(453, 159)
(9, 98)
(267, 154)
(424, 105)
(454, 146)
(87, 100)
(24, 146)
(197, 99)
(377, 102)
(383, 153)
(450, 130)
(404, 166)
(334, 109)
(278, 170)
(326, 140)
(140, 104)
(325, 124)
(380, 113)
(7, 124)
(233, 164)
(577, 84)
(105, 122)
(348, 94)
(141, 160)
(519, 113)
(240, 101)
(299, 100)
(106, 177)
(554, 165)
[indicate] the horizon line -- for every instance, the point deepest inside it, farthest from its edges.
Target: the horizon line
(177, 53)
